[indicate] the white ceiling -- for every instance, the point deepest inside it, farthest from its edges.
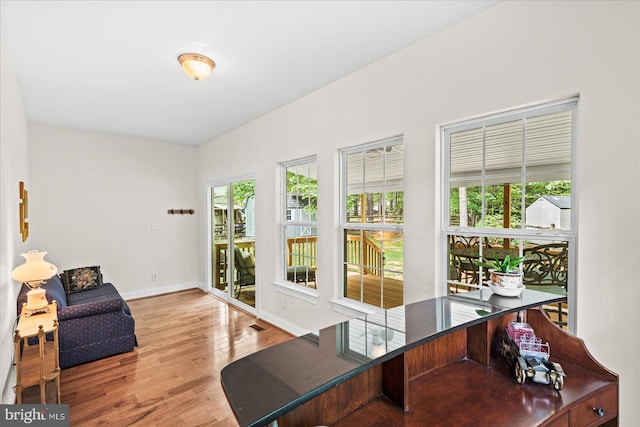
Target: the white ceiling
(111, 66)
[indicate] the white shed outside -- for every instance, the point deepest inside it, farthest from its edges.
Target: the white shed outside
(549, 212)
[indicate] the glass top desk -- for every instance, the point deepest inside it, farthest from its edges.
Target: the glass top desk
(270, 383)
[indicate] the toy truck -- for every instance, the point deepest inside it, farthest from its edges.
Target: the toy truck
(528, 356)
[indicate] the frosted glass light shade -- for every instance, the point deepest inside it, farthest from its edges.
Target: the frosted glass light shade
(196, 66)
(35, 269)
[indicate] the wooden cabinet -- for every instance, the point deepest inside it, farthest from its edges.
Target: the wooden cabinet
(37, 366)
(446, 370)
(595, 410)
(462, 379)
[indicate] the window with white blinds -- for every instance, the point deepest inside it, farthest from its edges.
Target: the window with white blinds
(372, 222)
(507, 190)
(508, 161)
(536, 145)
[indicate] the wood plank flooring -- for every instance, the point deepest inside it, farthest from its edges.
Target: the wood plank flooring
(173, 377)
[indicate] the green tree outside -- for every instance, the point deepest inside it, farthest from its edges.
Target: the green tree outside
(494, 201)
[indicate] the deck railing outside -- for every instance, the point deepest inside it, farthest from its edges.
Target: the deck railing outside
(368, 255)
(304, 251)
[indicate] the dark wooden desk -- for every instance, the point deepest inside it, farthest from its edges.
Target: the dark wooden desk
(429, 363)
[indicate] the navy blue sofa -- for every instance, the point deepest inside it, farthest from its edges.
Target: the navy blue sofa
(93, 324)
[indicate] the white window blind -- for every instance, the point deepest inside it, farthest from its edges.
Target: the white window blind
(504, 152)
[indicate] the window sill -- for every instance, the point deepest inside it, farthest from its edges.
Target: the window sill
(353, 308)
(297, 291)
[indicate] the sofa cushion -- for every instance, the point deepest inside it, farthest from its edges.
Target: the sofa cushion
(81, 279)
(55, 291)
(248, 261)
(107, 291)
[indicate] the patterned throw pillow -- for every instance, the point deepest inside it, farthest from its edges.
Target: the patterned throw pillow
(81, 279)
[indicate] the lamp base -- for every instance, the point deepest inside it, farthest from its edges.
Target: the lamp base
(33, 312)
(36, 302)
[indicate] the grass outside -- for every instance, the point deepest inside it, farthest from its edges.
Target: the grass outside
(393, 249)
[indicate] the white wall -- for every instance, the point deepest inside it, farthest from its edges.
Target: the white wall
(94, 198)
(513, 54)
(13, 169)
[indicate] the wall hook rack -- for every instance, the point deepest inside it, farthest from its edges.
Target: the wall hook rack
(181, 211)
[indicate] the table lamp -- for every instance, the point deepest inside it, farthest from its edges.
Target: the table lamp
(33, 273)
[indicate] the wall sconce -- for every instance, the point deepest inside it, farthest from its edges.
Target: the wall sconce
(24, 212)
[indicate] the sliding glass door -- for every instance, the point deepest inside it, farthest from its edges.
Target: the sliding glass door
(233, 241)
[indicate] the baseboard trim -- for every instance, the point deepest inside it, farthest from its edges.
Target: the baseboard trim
(267, 317)
(159, 291)
(284, 324)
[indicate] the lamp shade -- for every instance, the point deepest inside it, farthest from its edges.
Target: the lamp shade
(196, 66)
(34, 269)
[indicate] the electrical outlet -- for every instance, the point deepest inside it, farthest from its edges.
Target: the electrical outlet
(154, 277)
(283, 302)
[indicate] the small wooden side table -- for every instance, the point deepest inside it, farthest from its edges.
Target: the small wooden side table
(37, 365)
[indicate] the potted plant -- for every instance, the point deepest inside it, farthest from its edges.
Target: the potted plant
(505, 273)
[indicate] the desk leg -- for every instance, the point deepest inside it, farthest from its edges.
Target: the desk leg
(43, 391)
(43, 381)
(56, 345)
(19, 394)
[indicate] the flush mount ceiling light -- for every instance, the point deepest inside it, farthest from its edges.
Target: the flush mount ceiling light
(196, 66)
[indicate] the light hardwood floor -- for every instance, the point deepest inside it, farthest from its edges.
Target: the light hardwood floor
(173, 377)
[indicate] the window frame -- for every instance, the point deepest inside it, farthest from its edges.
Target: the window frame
(286, 222)
(352, 305)
(229, 232)
(570, 236)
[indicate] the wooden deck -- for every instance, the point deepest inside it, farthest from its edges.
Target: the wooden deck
(391, 293)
